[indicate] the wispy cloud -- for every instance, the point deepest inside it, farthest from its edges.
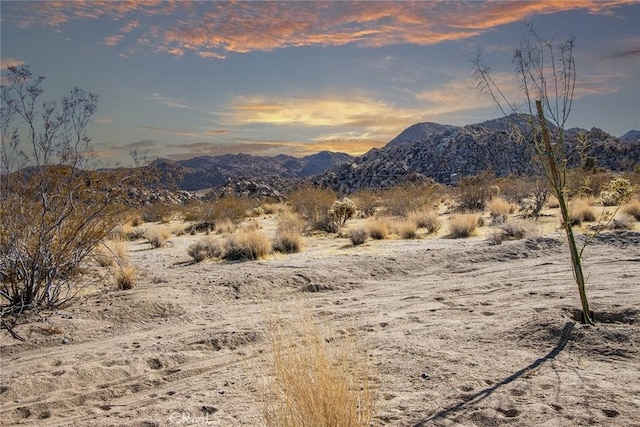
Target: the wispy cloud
(170, 102)
(184, 132)
(215, 29)
(10, 62)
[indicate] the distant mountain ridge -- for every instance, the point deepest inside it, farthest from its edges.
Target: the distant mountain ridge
(214, 171)
(444, 153)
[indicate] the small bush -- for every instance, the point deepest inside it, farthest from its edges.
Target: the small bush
(621, 222)
(206, 248)
(500, 209)
(426, 219)
(463, 225)
(581, 210)
(473, 192)
(291, 222)
(156, 212)
(312, 203)
(158, 235)
(632, 209)
(616, 191)
(358, 236)
(367, 201)
(287, 242)
(126, 277)
(342, 210)
(553, 202)
(247, 245)
(111, 252)
(406, 229)
(225, 226)
(327, 223)
(378, 230)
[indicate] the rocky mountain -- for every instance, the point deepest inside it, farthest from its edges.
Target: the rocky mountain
(631, 136)
(446, 153)
(210, 172)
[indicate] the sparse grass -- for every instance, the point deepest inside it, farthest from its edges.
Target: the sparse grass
(358, 236)
(291, 222)
(463, 225)
(632, 208)
(426, 219)
(126, 277)
(378, 229)
(287, 241)
(206, 248)
(158, 235)
(406, 229)
(581, 210)
(316, 380)
(225, 226)
(553, 202)
(247, 245)
(251, 225)
(111, 252)
(500, 209)
(177, 229)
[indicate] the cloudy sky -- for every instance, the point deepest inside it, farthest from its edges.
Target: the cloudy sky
(180, 79)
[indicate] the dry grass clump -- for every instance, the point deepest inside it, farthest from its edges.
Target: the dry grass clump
(632, 208)
(206, 248)
(621, 222)
(110, 253)
(316, 380)
(158, 235)
(287, 241)
(553, 202)
(126, 277)
(358, 236)
(291, 221)
(406, 229)
(510, 230)
(581, 210)
(463, 225)
(426, 219)
(378, 229)
(500, 209)
(247, 245)
(225, 226)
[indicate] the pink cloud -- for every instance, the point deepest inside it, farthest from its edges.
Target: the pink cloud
(214, 29)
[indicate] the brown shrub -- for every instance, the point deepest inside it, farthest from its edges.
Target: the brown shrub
(463, 225)
(126, 277)
(358, 236)
(206, 248)
(500, 209)
(311, 202)
(287, 241)
(406, 229)
(581, 210)
(426, 219)
(473, 192)
(632, 208)
(157, 235)
(378, 229)
(247, 245)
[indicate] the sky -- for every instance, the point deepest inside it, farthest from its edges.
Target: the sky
(181, 79)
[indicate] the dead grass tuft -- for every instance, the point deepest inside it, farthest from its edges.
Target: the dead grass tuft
(287, 241)
(158, 235)
(316, 380)
(358, 236)
(378, 229)
(247, 245)
(406, 229)
(632, 208)
(126, 277)
(500, 209)
(225, 226)
(463, 225)
(206, 248)
(581, 210)
(426, 219)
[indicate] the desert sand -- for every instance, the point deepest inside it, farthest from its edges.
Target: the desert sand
(458, 333)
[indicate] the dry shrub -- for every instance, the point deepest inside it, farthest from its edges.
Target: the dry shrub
(247, 245)
(367, 201)
(553, 202)
(230, 207)
(157, 212)
(158, 235)
(111, 252)
(500, 209)
(312, 203)
(358, 236)
(291, 222)
(426, 219)
(510, 230)
(378, 229)
(177, 229)
(316, 380)
(287, 241)
(632, 208)
(252, 225)
(406, 229)
(463, 225)
(473, 192)
(581, 210)
(621, 222)
(225, 226)
(342, 210)
(272, 208)
(126, 277)
(206, 248)
(403, 199)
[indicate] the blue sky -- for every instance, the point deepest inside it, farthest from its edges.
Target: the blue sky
(181, 79)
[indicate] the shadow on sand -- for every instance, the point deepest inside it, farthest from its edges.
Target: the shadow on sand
(475, 398)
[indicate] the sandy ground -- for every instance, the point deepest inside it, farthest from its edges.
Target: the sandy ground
(459, 333)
